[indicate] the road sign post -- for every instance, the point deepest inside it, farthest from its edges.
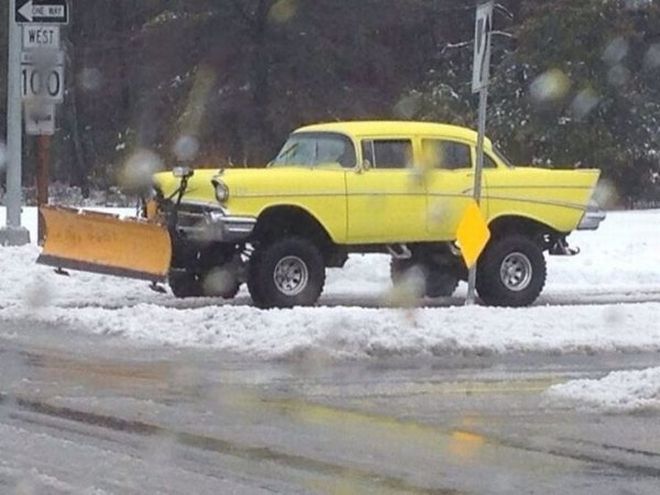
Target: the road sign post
(43, 179)
(36, 77)
(42, 86)
(480, 76)
(13, 233)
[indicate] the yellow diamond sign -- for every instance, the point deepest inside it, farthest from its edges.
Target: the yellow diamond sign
(472, 234)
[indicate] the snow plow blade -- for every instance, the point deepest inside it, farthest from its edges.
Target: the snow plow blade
(104, 243)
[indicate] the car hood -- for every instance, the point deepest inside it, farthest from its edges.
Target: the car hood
(239, 180)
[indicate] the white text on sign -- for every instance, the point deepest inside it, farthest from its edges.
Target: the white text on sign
(48, 11)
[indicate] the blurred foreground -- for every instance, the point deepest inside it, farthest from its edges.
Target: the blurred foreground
(74, 420)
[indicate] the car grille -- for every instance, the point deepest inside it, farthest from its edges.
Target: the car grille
(191, 215)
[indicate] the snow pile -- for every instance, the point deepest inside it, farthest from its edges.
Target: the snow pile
(352, 319)
(354, 332)
(619, 391)
(623, 253)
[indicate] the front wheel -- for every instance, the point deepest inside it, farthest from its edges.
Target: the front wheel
(511, 272)
(217, 282)
(285, 273)
(185, 284)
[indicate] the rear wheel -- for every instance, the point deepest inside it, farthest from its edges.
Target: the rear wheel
(511, 272)
(438, 282)
(285, 273)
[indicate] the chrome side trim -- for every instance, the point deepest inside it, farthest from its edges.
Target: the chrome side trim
(207, 205)
(205, 222)
(561, 204)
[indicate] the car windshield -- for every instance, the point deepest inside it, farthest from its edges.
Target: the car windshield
(316, 149)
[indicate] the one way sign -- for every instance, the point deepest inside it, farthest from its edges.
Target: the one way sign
(482, 29)
(42, 11)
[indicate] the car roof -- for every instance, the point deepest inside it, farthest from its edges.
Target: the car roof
(363, 128)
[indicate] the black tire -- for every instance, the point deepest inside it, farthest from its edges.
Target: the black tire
(222, 280)
(253, 273)
(286, 273)
(518, 285)
(185, 284)
(227, 292)
(437, 282)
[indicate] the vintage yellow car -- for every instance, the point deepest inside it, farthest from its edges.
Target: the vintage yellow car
(354, 187)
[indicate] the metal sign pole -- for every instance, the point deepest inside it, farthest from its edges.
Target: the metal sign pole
(483, 100)
(13, 234)
(43, 176)
(481, 68)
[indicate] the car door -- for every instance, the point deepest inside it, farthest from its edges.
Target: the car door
(449, 182)
(386, 201)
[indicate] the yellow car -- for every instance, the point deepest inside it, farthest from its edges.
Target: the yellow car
(334, 189)
(356, 187)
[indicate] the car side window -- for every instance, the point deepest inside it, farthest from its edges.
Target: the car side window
(446, 155)
(387, 153)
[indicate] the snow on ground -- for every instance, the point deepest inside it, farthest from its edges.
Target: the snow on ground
(622, 258)
(619, 391)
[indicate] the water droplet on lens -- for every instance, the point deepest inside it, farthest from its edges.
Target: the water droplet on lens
(90, 79)
(138, 170)
(583, 103)
(618, 75)
(652, 57)
(550, 86)
(615, 51)
(186, 148)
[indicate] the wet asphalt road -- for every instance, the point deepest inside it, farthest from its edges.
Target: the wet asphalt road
(91, 414)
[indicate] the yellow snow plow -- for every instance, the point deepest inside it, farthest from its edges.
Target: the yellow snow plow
(105, 243)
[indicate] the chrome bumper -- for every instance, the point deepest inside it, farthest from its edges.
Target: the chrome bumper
(204, 224)
(592, 217)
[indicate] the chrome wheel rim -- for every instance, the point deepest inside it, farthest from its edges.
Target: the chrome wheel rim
(291, 275)
(516, 272)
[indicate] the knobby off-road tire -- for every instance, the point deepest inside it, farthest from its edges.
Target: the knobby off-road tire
(511, 272)
(186, 284)
(437, 282)
(286, 273)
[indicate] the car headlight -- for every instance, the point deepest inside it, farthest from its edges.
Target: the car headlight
(183, 172)
(221, 190)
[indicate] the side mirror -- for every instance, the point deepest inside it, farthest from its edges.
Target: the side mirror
(183, 172)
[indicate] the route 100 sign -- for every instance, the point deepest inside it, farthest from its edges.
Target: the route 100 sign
(45, 83)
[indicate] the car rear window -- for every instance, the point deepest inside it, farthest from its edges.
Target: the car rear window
(446, 155)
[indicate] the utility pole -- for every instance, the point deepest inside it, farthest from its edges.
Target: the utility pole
(13, 234)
